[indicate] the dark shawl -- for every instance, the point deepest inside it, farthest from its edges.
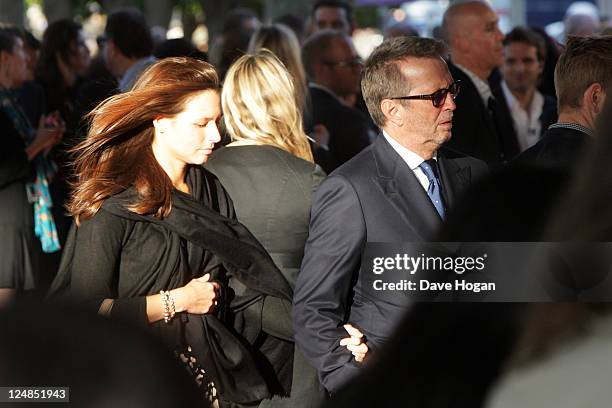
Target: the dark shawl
(217, 340)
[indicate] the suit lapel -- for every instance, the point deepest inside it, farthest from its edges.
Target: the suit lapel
(469, 94)
(455, 178)
(505, 124)
(403, 190)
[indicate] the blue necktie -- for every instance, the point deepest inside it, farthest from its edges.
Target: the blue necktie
(430, 169)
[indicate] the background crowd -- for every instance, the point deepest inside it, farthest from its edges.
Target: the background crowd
(247, 268)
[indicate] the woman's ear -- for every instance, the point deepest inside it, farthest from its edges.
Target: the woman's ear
(160, 124)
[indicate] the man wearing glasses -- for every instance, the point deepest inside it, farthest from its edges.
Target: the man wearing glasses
(334, 68)
(399, 189)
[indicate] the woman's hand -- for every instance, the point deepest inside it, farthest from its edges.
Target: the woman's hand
(355, 343)
(49, 133)
(320, 135)
(199, 296)
(53, 124)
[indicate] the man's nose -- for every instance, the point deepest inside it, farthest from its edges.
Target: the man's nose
(449, 103)
(500, 35)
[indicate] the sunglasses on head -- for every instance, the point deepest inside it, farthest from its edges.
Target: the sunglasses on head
(437, 98)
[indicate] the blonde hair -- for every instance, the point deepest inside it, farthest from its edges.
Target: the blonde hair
(259, 106)
(284, 44)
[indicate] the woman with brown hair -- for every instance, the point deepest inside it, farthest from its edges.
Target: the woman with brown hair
(155, 240)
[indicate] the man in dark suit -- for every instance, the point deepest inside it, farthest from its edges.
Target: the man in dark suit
(396, 190)
(333, 68)
(529, 112)
(581, 75)
(480, 127)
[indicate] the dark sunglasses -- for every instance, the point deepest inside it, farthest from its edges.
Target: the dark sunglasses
(101, 40)
(351, 63)
(437, 98)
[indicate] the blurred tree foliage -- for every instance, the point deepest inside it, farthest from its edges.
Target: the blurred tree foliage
(367, 16)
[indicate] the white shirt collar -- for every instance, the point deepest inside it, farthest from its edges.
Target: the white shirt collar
(482, 87)
(536, 103)
(526, 122)
(412, 159)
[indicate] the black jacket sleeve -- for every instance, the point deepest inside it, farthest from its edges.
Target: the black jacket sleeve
(95, 267)
(14, 163)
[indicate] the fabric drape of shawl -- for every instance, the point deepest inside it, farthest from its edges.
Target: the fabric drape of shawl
(38, 191)
(223, 353)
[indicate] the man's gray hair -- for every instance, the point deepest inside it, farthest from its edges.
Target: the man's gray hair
(382, 78)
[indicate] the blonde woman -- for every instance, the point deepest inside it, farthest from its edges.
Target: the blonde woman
(281, 40)
(269, 172)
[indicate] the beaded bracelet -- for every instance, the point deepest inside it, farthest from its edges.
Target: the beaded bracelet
(168, 305)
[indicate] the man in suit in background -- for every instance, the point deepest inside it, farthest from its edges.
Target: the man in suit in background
(332, 15)
(396, 190)
(531, 112)
(582, 74)
(333, 68)
(480, 128)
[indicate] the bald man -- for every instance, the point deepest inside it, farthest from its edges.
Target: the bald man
(480, 127)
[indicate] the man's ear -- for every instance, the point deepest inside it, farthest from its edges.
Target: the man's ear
(541, 67)
(594, 97)
(460, 43)
(111, 47)
(4, 57)
(391, 111)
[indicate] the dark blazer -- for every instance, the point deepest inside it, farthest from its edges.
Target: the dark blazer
(375, 197)
(559, 148)
(347, 127)
(272, 193)
(477, 131)
(19, 266)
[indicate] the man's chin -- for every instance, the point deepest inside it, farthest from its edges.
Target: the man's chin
(443, 137)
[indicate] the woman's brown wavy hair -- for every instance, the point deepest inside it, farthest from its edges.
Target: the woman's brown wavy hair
(117, 152)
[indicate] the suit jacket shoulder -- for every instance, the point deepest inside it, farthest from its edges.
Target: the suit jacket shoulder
(347, 127)
(474, 132)
(272, 193)
(558, 148)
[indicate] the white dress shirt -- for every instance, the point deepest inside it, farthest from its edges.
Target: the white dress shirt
(526, 123)
(412, 159)
(482, 87)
